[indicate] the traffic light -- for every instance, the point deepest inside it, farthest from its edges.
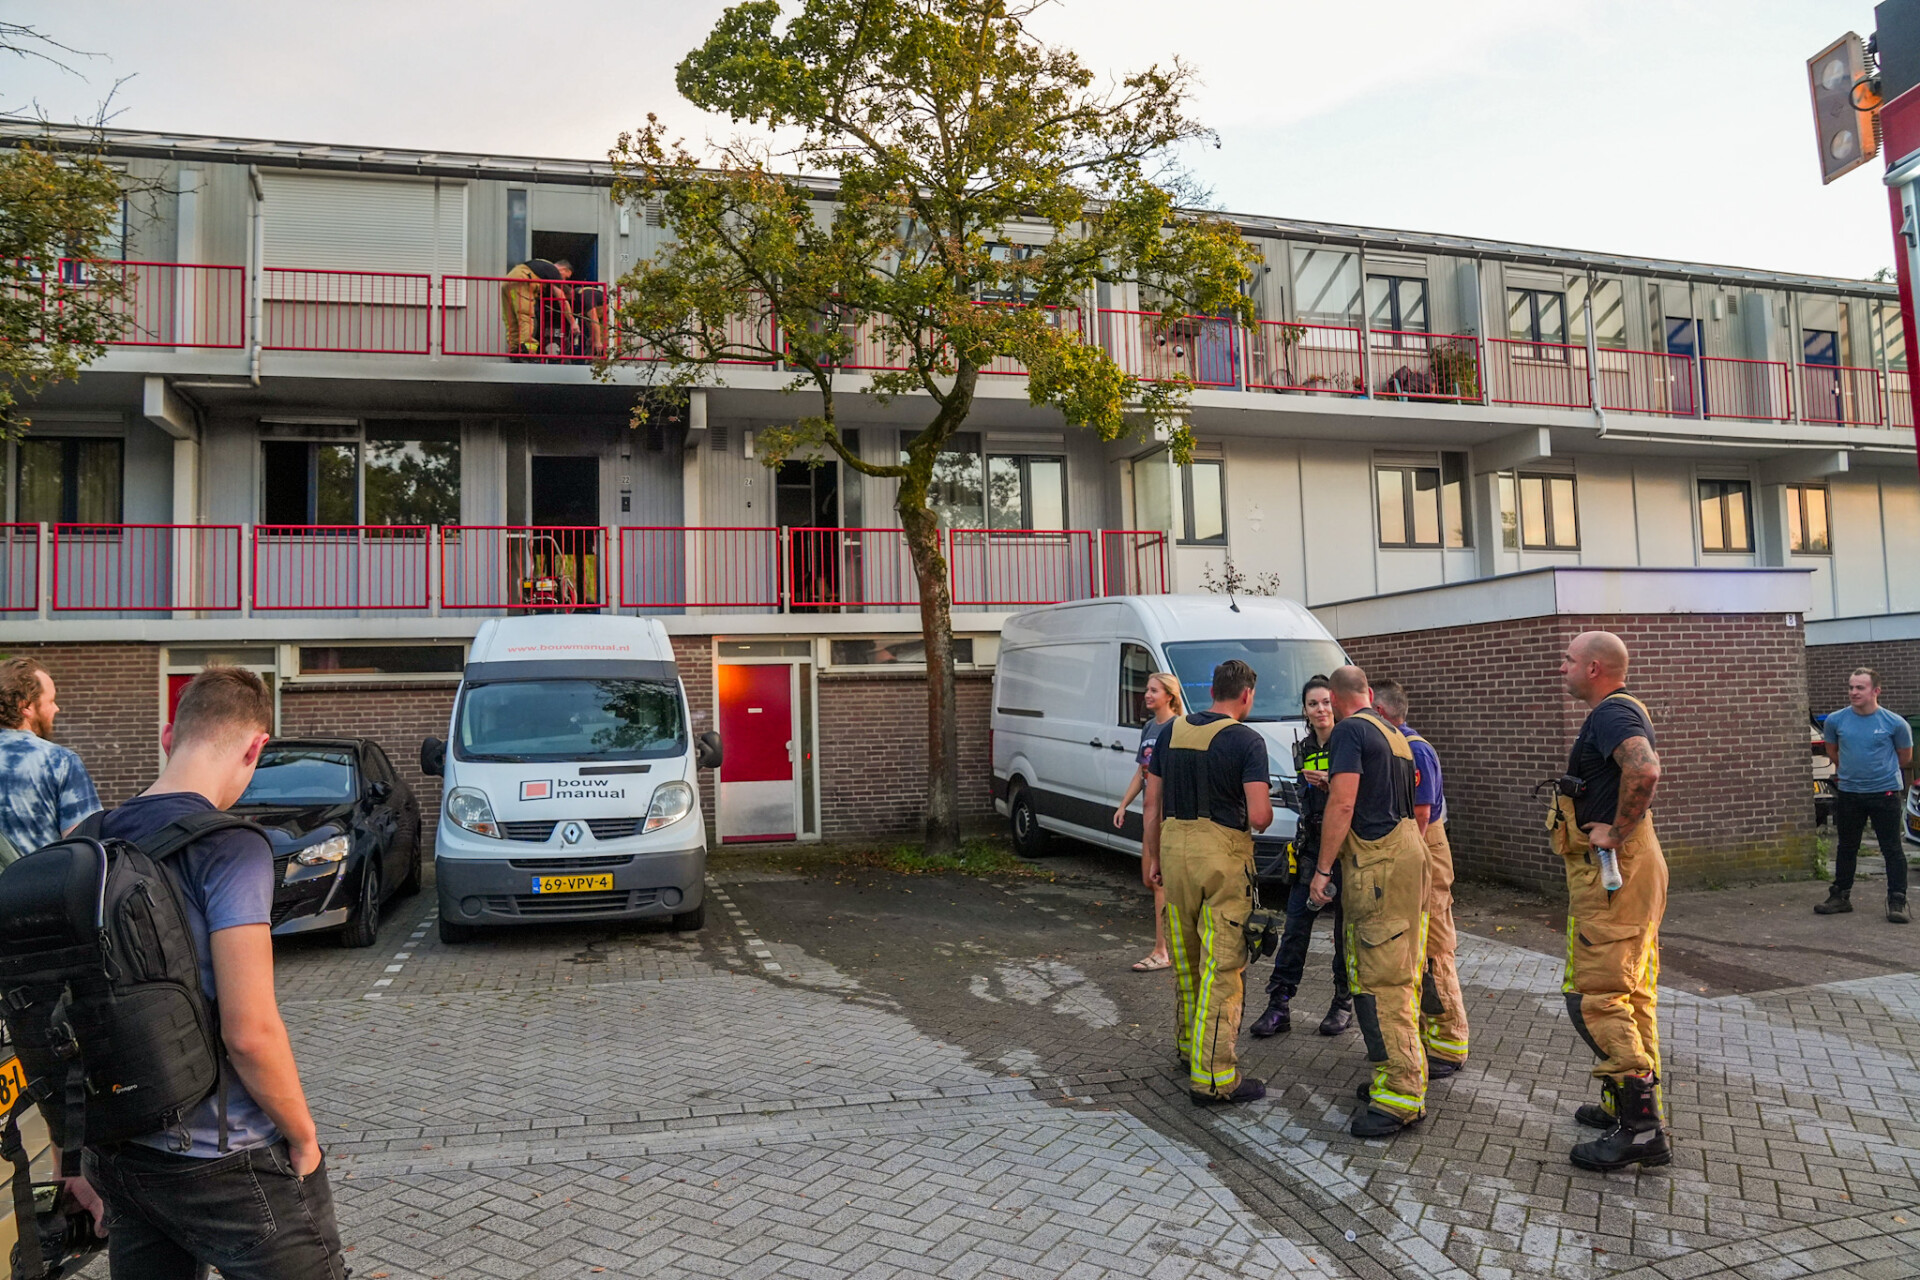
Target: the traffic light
(1838, 78)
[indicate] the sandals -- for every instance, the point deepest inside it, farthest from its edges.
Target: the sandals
(1151, 965)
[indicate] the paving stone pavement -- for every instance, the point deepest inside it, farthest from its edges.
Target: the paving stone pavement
(874, 1076)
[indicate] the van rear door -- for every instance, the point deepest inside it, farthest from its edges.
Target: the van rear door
(1063, 696)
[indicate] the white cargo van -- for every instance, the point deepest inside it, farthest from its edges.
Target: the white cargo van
(571, 785)
(1068, 706)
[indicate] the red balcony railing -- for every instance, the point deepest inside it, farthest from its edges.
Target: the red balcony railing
(1745, 390)
(1654, 382)
(1133, 562)
(534, 567)
(1899, 399)
(1424, 366)
(144, 567)
(850, 568)
(997, 568)
(330, 567)
(1205, 350)
(1840, 395)
(1283, 356)
(361, 312)
(663, 567)
(1545, 374)
(527, 319)
(19, 568)
(169, 304)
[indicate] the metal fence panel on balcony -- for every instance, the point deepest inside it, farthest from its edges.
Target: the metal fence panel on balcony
(19, 568)
(1653, 382)
(665, 567)
(850, 569)
(169, 304)
(1133, 562)
(525, 319)
(523, 567)
(1839, 395)
(333, 567)
(362, 312)
(1424, 366)
(1203, 349)
(1745, 390)
(1543, 374)
(1002, 568)
(1899, 399)
(1284, 356)
(136, 568)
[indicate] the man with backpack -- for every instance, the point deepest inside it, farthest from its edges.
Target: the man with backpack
(232, 1176)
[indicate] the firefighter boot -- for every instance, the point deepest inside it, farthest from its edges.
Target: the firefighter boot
(1636, 1137)
(1599, 1115)
(1277, 1020)
(1839, 902)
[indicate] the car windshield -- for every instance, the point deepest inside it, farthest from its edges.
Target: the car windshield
(1283, 666)
(525, 720)
(302, 776)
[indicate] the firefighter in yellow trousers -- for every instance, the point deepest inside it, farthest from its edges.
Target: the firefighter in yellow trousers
(1602, 826)
(1207, 793)
(1370, 822)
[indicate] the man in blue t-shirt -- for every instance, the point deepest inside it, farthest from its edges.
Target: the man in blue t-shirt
(1870, 747)
(176, 1202)
(44, 789)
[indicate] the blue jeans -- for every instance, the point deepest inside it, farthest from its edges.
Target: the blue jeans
(1290, 962)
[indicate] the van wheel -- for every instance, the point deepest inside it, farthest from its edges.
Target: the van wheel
(1029, 839)
(454, 934)
(691, 921)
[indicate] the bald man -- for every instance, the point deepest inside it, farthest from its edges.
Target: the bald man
(1613, 936)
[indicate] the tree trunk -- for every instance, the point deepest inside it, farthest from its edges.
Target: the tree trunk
(942, 829)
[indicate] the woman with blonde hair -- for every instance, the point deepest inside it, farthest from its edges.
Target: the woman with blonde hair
(1163, 701)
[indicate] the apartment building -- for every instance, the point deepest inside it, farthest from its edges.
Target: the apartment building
(314, 449)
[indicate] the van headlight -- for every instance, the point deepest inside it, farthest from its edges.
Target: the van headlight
(469, 810)
(672, 801)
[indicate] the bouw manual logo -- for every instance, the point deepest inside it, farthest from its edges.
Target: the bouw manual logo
(540, 789)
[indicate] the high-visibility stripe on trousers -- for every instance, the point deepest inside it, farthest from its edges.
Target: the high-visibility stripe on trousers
(1443, 1024)
(1385, 884)
(1207, 870)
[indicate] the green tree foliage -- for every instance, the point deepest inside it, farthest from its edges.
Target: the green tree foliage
(955, 190)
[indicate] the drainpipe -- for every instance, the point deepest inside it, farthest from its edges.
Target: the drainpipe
(256, 251)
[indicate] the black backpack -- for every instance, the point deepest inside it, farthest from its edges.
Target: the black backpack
(100, 988)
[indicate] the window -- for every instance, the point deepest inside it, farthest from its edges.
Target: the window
(956, 494)
(1609, 313)
(413, 473)
(1326, 285)
(382, 660)
(1536, 315)
(1398, 303)
(1282, 665)
(1807, 531)
(1546, 518)
(1015, 288)
(894, 651)
(1203, 492)
(1026, 492)
(1509, 513)
(1423, 506)
(69, 481)
(1889, 336)
(527, 721)
(1725, 524)
(307, 482)
(1136, 664)
(1820, 346)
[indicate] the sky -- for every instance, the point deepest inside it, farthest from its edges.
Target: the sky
(1664, 128)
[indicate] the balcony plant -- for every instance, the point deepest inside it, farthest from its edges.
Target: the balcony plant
(898, 140)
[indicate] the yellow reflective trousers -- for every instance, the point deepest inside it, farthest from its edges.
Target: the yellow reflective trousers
(1613, 946)
(1207, 870)
(1443, 1026)
(1384, 884)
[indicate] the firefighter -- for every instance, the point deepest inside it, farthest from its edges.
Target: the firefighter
(1383, 867)
(1602, 826)
(1207, 793)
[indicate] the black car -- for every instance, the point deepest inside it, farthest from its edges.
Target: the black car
(345, 832)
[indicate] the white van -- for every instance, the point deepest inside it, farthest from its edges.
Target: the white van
(1068, 707)
(571, 779)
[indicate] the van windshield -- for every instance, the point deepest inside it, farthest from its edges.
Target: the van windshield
(1283, 666)
(527, 720)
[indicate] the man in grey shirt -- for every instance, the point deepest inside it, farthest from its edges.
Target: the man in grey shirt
(1871, 748)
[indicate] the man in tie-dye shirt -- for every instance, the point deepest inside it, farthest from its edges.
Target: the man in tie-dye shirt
(44, 789)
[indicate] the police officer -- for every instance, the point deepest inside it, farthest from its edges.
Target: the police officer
(1206, 796)
(1602, 812)
(1383, 867)
(1310, 768)
(1443, 1022)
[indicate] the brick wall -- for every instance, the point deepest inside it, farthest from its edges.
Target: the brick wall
(1735, 797)
(873, 753)
(110, 710)
(395, 715)
(1897, 661)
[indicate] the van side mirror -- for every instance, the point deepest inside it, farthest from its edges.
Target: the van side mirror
(706, 751)
(433, 757)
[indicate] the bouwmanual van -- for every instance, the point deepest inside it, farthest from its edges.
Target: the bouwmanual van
(571, 779)
(1068, 705)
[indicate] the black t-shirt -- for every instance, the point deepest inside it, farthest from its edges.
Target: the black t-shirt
(543, 269)
(1358, 747)
(1216, 778)
(1609, 724)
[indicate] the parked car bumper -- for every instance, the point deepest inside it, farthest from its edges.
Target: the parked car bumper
(313, 902)
(1912, 814)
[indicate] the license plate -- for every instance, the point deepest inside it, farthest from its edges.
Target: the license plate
(573, 884)
(13, 1082)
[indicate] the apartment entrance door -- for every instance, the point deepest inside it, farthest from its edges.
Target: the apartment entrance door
(808, 498)
(758, 796)
(563, 548)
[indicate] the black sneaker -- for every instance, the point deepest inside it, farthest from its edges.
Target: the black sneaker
(1441, 1068)
(1248, 1090)
(1897, 911)
(1338, 1019)
(1839, 902)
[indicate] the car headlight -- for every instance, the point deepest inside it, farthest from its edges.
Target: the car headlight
(470, 811)
(672, 801)
(332, 849)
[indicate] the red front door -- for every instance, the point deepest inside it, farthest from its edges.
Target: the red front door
(757, 796)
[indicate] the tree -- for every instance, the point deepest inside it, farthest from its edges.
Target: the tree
(55, 204)
(921, 137)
